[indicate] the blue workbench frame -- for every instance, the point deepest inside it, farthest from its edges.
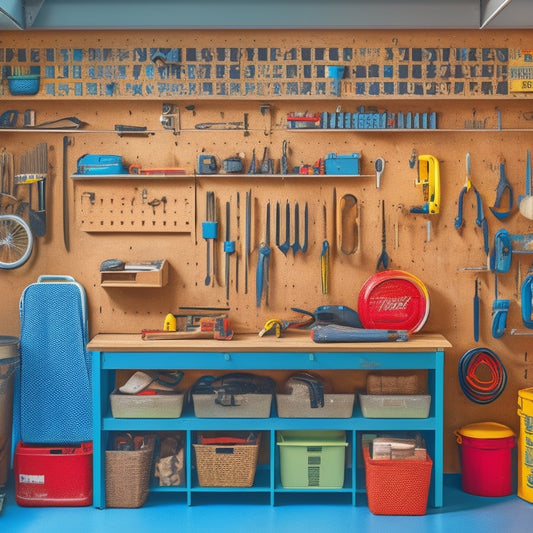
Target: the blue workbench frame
(107, 357)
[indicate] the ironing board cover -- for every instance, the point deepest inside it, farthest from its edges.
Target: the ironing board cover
(55, 367)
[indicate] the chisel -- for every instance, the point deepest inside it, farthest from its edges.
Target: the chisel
(476, 311)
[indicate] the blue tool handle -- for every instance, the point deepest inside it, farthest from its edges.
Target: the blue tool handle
(499, 318)
(526, 296)
(335, 333)
(459, 217)
(229, 246)
(209, 229)
(424, 209)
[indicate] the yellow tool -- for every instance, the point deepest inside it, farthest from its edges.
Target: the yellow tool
(429, 179)
(170, 323)
(324, 257)
(272, 323)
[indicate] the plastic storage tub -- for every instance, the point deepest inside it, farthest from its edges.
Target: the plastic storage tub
(397, 486)
(335, 406)
(53, 476)
(395, 405)
(486, 458)
(312, 459)
(244, 406)
(525, 445)
(146, 406)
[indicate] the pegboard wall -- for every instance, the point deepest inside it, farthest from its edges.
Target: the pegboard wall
(472, 81)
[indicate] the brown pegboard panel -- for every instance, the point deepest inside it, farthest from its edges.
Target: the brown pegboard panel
(162, 206)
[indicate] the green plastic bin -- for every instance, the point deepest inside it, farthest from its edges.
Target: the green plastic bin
(312, 459)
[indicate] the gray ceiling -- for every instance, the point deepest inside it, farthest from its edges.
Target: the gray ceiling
(265, 14)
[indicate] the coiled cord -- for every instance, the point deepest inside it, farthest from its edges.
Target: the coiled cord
(475, 387)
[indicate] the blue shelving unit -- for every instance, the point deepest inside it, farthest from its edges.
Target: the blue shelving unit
(112, 352)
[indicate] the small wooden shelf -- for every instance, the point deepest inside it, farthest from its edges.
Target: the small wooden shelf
(138, 274)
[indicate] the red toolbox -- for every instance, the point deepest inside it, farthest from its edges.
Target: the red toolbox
(53, 476)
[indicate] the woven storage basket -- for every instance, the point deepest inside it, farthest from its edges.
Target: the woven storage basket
(226, 466)
(397, 486)
(127, 477)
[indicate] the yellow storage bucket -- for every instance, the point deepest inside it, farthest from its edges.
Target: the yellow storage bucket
(525, 445)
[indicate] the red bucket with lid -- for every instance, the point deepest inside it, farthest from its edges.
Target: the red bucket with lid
(393, 299)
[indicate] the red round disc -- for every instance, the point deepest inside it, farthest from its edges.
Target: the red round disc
(393, 299)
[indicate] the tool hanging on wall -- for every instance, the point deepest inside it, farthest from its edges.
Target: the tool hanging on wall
(500, 308)
(209, 233)
(285, 246)
(247, 236)
(324, 255)
(429, 179)
(525, 203)
(383, 261)
(476, 309)
(263, 262)
(229, 249)
(379, 166)
(526, 299)
(67, 141)
(34, 169)
(296, 245)
(481, 221)
(348, 224)
(475, 385)
(503, 189)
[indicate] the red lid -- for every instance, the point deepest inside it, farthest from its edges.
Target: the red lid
(393, 299)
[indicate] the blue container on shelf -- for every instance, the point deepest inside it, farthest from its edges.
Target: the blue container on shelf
(342, 164)
(26, 84)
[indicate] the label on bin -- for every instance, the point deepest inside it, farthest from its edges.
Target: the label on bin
(32, 479)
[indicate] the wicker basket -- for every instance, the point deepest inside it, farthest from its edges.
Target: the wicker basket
(397, 486)
(127, 477)
(226, 465)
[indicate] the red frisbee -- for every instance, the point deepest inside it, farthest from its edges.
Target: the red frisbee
(393, 299)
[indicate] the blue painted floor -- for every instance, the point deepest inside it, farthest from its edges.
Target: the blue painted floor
(461, 513)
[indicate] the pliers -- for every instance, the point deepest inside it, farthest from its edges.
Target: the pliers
(277, 325)
(481, 221)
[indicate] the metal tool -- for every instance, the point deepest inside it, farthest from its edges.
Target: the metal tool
(296, 244)
(67, 141)
(220, 126)
(429, 179)
(285, 246)
(383, 261)
(252, 167)
(284, 164)
(379, 165)
(525, 203)
(209, 233)
(503, 188)
(262, 274)
(229, 248)
(476, 310)
(266, 163)
(247, 232)
(481, 221)
(324, 256)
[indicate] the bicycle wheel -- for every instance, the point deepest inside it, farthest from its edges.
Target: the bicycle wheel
(16, 241)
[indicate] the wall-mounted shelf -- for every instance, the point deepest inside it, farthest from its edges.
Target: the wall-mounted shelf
(137, 275)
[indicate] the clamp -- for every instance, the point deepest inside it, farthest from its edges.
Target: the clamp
(481, 221)
(429, 178)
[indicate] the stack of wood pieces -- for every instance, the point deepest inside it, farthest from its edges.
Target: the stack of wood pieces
(398, 447)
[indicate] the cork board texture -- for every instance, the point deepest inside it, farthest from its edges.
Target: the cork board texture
(476, 84)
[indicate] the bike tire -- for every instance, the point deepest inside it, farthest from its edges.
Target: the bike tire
(16, 241)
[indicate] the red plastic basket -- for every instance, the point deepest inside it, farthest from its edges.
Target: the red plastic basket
(397, 486)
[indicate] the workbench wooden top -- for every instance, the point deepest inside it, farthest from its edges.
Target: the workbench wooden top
(294, 341)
